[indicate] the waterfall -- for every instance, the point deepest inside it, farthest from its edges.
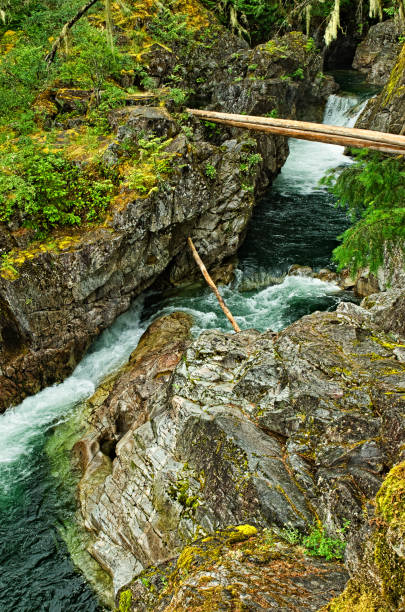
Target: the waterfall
(308, 161)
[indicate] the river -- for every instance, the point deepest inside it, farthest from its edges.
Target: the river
(296, 222)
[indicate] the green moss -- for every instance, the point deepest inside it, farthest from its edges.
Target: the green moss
(357, 597)
(125, 601)
(391, 89)
(388, 592)
(390, 499)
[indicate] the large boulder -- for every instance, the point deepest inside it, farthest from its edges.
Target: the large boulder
(275, 430)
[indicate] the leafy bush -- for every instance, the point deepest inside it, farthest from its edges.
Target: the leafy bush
(372, 190)
(317, 542)
(44, 190)
(91, 62)
(210, 171)
(170, 27)
(249, 161)
(151, 164)
(22, 72)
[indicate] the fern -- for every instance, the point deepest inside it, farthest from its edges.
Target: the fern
(372, 190)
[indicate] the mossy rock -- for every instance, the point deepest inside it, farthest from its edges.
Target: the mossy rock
(386, 557)
(237, 568)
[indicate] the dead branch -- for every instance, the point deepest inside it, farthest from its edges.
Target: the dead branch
(212, 286)
(68, 25)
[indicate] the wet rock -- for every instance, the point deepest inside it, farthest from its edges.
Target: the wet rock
(327, 275)
(366, 283)
(297, 270)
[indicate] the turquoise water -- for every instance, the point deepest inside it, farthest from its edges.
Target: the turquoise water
(295, 223)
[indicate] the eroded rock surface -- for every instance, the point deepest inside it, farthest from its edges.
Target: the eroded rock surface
(238, 568)
(274, 430)
(377, 53)
(386, 112)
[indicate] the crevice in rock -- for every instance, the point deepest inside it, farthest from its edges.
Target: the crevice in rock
(108, 446)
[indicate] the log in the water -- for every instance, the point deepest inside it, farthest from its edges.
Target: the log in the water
(212, 285)
(351, 137)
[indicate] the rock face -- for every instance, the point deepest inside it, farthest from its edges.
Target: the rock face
(377, 53)
(379, 582)
(274, 430)
(386, 112)
(78, 284)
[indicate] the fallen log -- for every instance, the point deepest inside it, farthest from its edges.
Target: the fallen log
(212, 286)
(354, 137)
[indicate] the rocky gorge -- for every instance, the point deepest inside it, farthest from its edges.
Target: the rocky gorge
(262, 470)
(101, 270)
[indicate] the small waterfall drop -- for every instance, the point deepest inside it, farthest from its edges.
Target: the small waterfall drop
(309, 161)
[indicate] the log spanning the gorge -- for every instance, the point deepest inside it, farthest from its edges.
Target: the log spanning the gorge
(320, 132)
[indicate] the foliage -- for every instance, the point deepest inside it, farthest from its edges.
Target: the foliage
(22, 69)
(249, 161)
(177, 95)
(317, 542)
(258, 20)
(272, 114)
(210, 171)
(6, 263)
(372, 190)
(170, 27)
(93, 61)
(151, 164)
(44, 190)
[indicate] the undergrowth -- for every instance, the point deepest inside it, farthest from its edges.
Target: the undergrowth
(41, 190)
(317, 542)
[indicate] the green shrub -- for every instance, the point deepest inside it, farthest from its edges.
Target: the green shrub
(317, 542)
(92, 61)
(210, 171)
(22, 72)
(44, 190)
(249, 161)
(151, 163)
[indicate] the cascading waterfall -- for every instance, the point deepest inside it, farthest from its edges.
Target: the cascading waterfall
(37, 573)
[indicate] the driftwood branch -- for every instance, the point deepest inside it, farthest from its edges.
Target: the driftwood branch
(212, 286)
(68, 25)
(354, 137)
